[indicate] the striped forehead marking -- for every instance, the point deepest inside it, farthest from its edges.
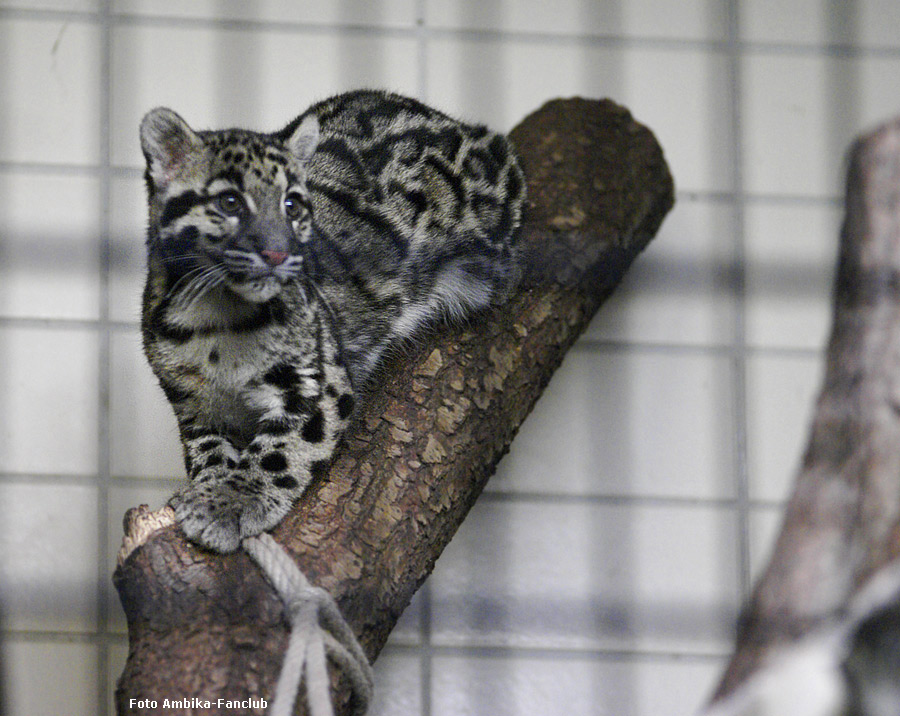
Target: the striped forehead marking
(246, 159)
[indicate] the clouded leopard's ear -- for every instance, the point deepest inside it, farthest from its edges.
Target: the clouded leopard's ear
(166, 140)
(304, 140)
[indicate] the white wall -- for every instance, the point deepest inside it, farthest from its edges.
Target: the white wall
(602, 571)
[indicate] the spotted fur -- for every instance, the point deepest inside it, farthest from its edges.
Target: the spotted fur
(282, 266)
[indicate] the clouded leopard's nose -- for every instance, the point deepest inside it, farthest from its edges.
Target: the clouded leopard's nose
(275, 258)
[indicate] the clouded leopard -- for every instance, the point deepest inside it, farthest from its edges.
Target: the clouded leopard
(282, 266)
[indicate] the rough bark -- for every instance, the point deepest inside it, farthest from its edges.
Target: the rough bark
(842, 522)
(424, 445)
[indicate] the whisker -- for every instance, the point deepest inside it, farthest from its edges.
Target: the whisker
(200, 285)
(184, 280)
(311, 286)
(182, 257)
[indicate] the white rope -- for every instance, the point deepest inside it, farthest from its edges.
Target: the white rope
(317, 629)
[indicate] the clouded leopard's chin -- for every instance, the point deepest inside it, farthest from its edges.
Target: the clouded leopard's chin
(255, 290)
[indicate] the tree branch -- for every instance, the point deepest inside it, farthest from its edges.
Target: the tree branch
(423, 446)
(842, 522)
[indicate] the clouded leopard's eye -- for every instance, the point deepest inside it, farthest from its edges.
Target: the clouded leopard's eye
(231, 203)
(294, 206)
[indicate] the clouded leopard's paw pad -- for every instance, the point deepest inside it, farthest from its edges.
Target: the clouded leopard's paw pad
(219, 516)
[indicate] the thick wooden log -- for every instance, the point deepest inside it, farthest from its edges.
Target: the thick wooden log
(842, 522)
(422, 448)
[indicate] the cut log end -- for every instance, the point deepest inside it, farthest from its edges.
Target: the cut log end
(139, 524)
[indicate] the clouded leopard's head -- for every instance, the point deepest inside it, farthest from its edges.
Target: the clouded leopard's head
(227, 208)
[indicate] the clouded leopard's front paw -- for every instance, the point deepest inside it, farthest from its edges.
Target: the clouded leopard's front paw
(218, 516)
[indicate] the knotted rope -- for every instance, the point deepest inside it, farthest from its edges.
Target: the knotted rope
(317, 629)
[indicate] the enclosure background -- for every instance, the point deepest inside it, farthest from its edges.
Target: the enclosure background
(602, 571)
